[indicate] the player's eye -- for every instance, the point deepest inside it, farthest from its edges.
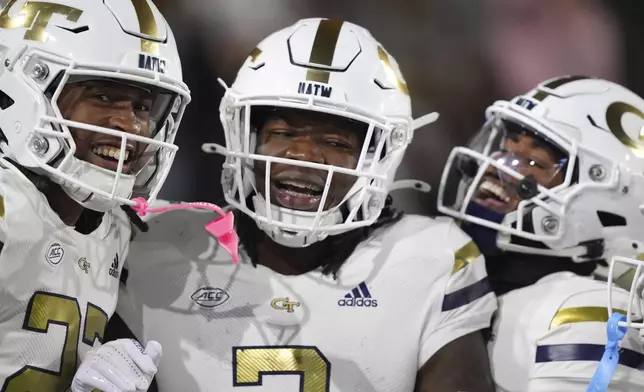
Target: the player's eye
(103, 98)
(339, 143)
(142, 107)
(281, 132)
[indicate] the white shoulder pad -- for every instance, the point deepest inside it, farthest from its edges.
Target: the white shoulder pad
(558, 327)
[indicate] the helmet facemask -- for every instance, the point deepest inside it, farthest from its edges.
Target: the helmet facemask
(508, 170)
(86, 142)
(343, 194)
(58, 141)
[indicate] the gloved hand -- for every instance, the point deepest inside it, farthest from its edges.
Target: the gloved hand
(118, 366)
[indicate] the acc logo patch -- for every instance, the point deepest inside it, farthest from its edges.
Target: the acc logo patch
(209, 297)
(55, 253)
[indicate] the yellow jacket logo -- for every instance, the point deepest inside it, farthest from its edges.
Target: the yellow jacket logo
(284, 304)
(84, 265)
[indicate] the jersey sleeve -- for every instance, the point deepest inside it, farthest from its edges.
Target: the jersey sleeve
(129, 312)
(167, 231)
(463, 301)
(13, 203)
(568, 354)
(127, 308)
(5, 209)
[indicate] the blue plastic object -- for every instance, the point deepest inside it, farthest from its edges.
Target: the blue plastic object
(604, 373)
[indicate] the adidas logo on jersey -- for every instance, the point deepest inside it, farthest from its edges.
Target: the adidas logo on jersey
(114, 268)
(359, 297)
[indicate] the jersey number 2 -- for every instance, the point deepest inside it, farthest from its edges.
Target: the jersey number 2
(45, 309)
(251, 363)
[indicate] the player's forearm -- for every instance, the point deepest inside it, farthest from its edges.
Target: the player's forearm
(462, 365)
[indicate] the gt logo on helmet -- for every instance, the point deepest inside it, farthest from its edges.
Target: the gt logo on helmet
(35, 17)
(614, 115)
(392, 71)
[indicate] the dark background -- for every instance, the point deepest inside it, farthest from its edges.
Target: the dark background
(458, 56)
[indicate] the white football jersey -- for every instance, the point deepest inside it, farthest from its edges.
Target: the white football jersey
(550, 337)
(404, 293)
(57, 287)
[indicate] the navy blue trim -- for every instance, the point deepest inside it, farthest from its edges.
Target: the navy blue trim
(586, 352)
(466, 295)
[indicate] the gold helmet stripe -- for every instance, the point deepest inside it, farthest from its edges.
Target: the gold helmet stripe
(147, 25)
(326, 39)
(553, 84)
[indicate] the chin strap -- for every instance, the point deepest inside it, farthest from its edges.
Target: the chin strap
(222, 228)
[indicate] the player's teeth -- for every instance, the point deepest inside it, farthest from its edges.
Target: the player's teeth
(301, 185)
(111, 152)
(496, 189)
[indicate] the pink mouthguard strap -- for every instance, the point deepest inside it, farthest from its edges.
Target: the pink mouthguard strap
(222, 228)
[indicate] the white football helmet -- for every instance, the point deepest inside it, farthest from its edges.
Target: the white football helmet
(596, 128)
(327, 66)
(45, 46)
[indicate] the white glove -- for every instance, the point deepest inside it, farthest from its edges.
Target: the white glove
(118, 366)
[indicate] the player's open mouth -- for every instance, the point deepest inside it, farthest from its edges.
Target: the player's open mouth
(108, 155)
(298, 193)
(493, 195)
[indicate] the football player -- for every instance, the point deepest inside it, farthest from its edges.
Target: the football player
(91, 95)
(550, 186)
(335, 289)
